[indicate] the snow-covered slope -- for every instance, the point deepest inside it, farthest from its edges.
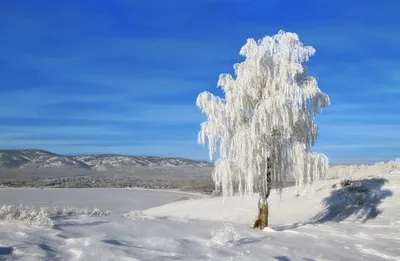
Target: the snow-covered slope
(354, 215)
(37, 159)
(40, 159)
(375, 186)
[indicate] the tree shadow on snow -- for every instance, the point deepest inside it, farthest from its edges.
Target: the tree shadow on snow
(5, 251)
(49, 252)
(358, 199)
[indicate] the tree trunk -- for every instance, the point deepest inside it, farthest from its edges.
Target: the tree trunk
(262, 219)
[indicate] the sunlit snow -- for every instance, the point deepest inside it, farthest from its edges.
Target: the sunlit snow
(354, 215)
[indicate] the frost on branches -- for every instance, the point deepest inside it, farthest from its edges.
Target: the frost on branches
(266, 119)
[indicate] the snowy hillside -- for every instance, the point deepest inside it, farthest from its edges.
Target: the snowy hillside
(353, 215)
(126, 163)
(39, 159)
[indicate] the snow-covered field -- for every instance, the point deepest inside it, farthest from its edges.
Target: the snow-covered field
(355, 220)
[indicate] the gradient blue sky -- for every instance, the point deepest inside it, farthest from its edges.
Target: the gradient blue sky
(123, 76)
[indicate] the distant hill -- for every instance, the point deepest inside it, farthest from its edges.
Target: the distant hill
(41, 159)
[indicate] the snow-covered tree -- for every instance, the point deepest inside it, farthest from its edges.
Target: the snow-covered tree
(264, 127)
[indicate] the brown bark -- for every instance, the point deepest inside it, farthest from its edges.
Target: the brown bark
(262, 219)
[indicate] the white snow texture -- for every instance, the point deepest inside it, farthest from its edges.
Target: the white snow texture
(329, 224)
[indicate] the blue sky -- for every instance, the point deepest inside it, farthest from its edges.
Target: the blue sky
(123, 76)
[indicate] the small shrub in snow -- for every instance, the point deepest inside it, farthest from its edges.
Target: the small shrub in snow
(71, 211)
(25, 215)
(137, 215)
(225, 236)
(345, 183)
(43, 217)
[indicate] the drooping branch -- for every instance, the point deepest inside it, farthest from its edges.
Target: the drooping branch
(265, 125)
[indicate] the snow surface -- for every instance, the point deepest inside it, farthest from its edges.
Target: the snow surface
(359, 220)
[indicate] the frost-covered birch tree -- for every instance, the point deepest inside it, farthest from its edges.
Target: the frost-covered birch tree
(265, 125)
